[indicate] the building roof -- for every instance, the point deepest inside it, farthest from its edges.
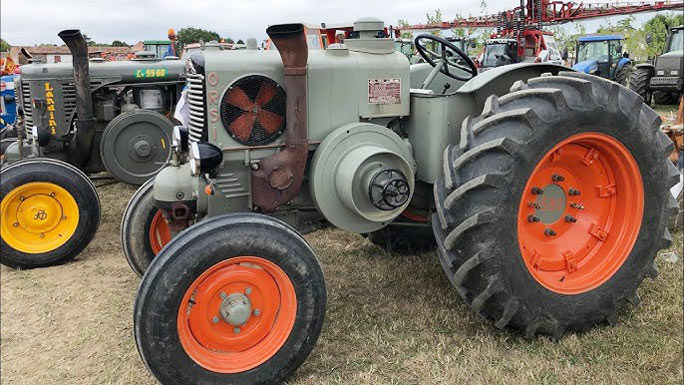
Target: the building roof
(600, 38)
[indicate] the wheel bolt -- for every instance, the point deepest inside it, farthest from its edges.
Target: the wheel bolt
(557, 178)
(16, 224)
(215, 320)
(236, 330)
(532, 218)
(21, 198)
(573, 191)
(248, 291)
(63, 217)
(222, 295)
(257, 312)
(577, 206)
(549, 232)
(534, 205)
(570, 218)
(52, 194)
(42, 235)
(537, 191)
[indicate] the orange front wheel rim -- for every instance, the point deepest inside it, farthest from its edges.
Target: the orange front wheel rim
(237, 314)
(580, 213)
(159, 234)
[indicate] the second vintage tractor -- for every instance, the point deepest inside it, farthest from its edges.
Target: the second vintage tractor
(545, 192)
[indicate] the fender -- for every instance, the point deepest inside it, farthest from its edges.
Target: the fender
(586, 66)
(647, 66)
(499, 80)
(624, 61)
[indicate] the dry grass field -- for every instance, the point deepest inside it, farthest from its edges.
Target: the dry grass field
(392, 319)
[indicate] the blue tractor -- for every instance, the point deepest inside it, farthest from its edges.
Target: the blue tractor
(602, 56)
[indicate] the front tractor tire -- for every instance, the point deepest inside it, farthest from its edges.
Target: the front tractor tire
(664, 98)
(234, 299)
(144, 231)
(554, 204)
(50, 211)
(624, 74)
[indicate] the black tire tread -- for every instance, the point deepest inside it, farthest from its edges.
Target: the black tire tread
(459, 233)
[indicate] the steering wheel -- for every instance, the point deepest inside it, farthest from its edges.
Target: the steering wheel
(445, 59)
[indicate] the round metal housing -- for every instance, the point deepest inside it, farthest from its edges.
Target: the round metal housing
(345, 167)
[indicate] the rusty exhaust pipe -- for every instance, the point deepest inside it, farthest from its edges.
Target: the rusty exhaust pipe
(279, 177)
(85, 124)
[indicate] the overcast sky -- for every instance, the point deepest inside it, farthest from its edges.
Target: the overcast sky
(29, 22)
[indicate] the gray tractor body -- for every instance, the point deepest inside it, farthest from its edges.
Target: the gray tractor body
(369, 129)
(147, 88)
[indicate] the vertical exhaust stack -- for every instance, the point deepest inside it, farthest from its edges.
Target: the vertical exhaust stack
(85, 124)
(279, 177)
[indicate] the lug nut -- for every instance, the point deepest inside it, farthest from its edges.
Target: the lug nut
(222, 295)
(577, 206)
(549, 232)
(21, 198)
(257, 312)
(52, 194)
(215, 320)
(236, 330)
(534, 205)
(570, 218)
(537, 191)
(573, 191)
(16, 224)
(42, 235)
(532, 218)
(557, 178)
(248, 291)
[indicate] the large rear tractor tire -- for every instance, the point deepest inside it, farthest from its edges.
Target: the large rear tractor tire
(553, 206)
(144, 231)
(235, 299)
(624, 74)
(50, 211)
(638, 82)
(664, 98)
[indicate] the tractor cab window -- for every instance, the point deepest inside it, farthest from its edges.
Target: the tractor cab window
(677, 41)
(552, 47)
(495, 52)
(593, 50)
(615, 50)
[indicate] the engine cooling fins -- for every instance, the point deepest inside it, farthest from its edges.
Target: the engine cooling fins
(253, 110)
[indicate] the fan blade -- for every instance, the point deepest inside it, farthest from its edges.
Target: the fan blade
(238, 98)
(266, 92)
(242, 126)
(269, 121)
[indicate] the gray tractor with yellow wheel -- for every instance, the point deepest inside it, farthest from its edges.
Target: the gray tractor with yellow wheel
(80, 119)
(545, 192)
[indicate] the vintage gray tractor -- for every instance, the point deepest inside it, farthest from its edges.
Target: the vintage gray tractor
(81, 119)
(544, 191)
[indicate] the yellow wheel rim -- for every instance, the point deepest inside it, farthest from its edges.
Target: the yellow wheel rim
(38, 217)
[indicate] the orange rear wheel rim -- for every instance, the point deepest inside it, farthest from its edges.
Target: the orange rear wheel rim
(211, 314)
(159, 233)
(580, 213)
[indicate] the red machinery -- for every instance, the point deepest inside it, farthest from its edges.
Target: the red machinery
(524, 23)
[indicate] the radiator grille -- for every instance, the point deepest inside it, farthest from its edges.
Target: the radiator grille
(26, 103)
(196, 107)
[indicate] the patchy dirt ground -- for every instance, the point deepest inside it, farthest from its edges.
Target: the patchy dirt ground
(391, 320)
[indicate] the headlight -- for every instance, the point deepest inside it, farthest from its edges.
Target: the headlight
(660, 73)
(204, 158)
(180, 138)
(674, 72)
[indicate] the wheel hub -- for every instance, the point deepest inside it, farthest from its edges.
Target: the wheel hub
(580, 213)
(258, 314)
(141, 148)
(236, 309)
(38, 217)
